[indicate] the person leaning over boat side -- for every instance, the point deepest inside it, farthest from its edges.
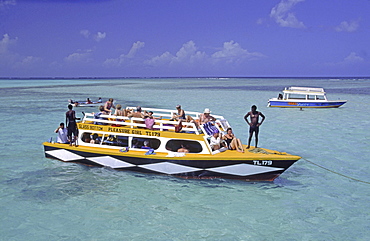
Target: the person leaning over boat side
(254, 124)
(232, 142)
(71, 125)
(62, 134)
(108, 105)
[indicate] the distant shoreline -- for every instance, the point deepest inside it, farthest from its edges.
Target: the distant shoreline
(223, 77)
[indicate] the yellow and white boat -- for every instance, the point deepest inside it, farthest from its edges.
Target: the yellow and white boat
(118, 142)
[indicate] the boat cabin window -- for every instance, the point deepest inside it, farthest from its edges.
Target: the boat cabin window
(296, 96)
(310, 97)
(192, 146)
(143, 143)
(92, 138)
(115, 140)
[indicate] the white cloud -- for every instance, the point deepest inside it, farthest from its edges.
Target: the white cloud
(85, 33)
(5, 43)
(13, 60)
(189, 55)
(353, 58)
(81, 56)
(99, 36)
(282, 14)
(4, 3)
(135, 47)
(347, 27)
(125, 57)
(28, 61)
(233, 53)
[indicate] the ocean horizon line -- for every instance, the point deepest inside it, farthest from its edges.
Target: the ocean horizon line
(187, 77)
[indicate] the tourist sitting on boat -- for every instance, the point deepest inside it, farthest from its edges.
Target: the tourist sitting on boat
(108, 105)
(206, 117)
(88, 101)
(135, 143)
(119, 111)
(98, 115)
(216, 141)
(146, 145)
(137, 114)
(100, 100)
(95, 139)
(183, 149)
(62, 134)
(180, 114)
(150, 120)
(86, 137)
(232, 142)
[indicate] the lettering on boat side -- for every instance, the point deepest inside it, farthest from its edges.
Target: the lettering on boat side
(292, 103)
(114, 129)
(262, 163)
(152, 133)
(90, 127)
(118, 130)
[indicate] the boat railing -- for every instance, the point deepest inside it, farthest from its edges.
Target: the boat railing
(309, 89)
(169, 113)
(163, 124)
(133, 122)
(221, 123)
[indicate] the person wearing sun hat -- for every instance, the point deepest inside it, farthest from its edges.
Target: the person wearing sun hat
(206, 117)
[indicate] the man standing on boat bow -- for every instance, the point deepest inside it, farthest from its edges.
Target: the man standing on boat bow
(254, 124)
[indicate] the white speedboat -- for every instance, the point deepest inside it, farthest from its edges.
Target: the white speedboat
(304, 97)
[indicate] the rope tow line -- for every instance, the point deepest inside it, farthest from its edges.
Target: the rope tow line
(340, 174)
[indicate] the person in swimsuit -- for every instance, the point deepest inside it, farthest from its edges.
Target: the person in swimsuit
(233, 143)
(253, 123)
(180, 114)
(71, 125)
(108, 105)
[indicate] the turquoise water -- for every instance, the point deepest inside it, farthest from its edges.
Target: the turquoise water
(44, 199)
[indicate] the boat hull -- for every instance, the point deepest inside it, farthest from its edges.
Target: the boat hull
(82, 104)
(243, 166)
(305, 104)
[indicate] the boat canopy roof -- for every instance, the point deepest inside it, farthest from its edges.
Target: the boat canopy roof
(304, 91)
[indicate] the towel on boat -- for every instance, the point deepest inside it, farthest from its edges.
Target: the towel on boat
(209, 128)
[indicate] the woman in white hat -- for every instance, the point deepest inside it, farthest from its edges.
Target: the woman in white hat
(206, 117)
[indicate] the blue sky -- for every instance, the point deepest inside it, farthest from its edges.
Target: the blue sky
(184, 38)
